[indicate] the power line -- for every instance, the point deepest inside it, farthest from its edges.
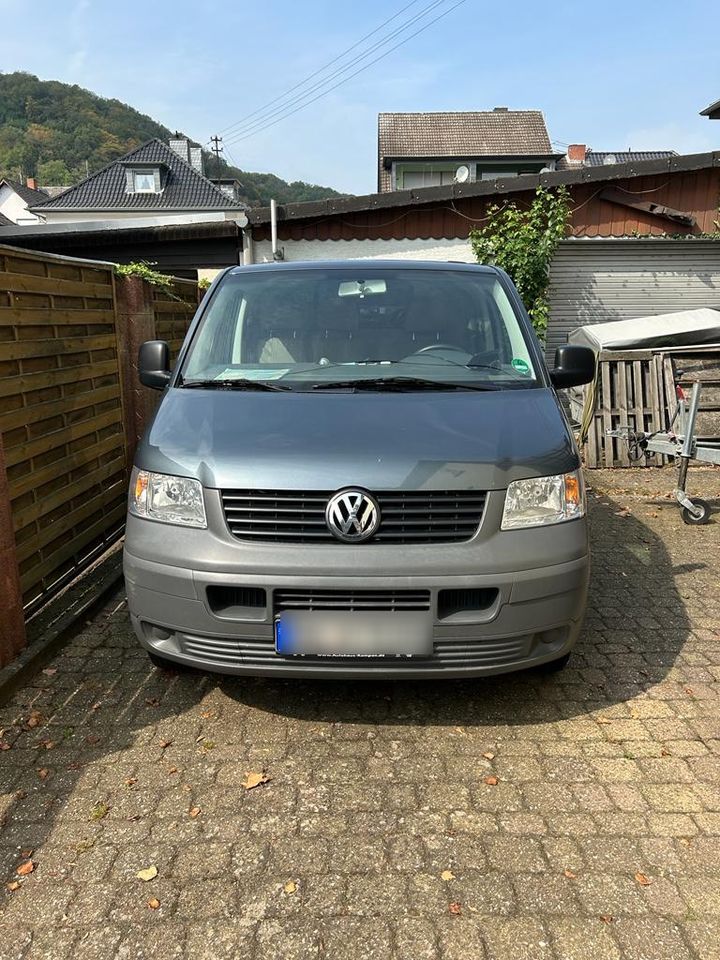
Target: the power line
(268, 115)
(322, 69)
(324, 93)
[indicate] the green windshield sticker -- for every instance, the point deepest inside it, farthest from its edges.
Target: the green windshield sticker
(521, 366)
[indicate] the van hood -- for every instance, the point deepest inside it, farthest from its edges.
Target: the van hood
(324, 441)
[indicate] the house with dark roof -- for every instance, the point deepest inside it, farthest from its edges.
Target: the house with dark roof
(17, 197)
(580, 155)
(157, 180)
(712, 112)
(437, 149)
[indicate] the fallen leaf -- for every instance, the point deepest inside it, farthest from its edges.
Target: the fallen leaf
(4, 745)
(26, 854)
(152, 701)
(35, 719)
(684, 841)
(50, 671)
(689, 691)
(290, 887)
(643, 880)
(25, 868)
(253, 780)
(606, 918)
(153, 903)
(489, 755)
(665, 753)
(99, 811)
(460, 730)
(603, 720)
(43, 773)
(172, 770)
(131, 781)
(194, 812)
(47, 744)
(491, 781)
(13, 885)
(447, 875)
(165, 743)
(148, 874)
(570, 875)
(207, 715)
(92, 738)
(455, 909)
(96, 706)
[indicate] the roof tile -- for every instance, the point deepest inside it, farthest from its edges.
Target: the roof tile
(184, 189)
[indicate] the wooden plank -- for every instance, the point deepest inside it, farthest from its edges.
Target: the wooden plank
(59, 438)
(26, 283)
(50, 502)
(181, 307)
(638, 399)
(18, 316)
(605, 402)
(36, 478)
(54, 408)
(622, 405)
(51, 531)
(28, 382)
(20, 350)
(592, 458)
(37, 574)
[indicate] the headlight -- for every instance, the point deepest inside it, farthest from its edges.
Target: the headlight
(157, 496)
(544, 500)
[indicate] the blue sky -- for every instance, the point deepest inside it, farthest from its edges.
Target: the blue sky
(613, 74)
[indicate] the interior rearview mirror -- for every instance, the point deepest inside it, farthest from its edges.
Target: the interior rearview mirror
(573, 366)
(154, 364)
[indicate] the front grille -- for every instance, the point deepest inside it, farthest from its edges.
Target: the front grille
(259, 653)
(287, 516)
(354, 600)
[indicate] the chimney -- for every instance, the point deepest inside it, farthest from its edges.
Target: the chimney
(500, 109)
(576, 153)
(32, 183)
(189, 152)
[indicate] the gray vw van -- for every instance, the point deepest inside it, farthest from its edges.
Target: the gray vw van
(359, 469)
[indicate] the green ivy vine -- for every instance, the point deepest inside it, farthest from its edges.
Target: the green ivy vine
(145, 272)
(522, 242)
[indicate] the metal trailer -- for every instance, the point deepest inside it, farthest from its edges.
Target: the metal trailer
(681, 444)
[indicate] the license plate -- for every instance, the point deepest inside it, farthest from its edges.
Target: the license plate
(327, 633)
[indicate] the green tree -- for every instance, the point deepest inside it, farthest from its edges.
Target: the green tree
(522, 243)
(54, 172)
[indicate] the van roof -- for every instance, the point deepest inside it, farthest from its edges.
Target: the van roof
(366, 263)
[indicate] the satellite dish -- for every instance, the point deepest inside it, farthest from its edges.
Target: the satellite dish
(462, 174)
(611, 158)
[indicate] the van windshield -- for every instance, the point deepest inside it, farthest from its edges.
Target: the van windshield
(334, 328)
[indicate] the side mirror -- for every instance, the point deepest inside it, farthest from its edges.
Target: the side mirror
(573, 366)
(154, 364)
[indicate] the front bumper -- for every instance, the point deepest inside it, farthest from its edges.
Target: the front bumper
(535, 618)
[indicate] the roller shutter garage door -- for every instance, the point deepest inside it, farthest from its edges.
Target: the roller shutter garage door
(595, 281)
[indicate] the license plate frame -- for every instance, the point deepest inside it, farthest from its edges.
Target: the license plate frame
(350, 635)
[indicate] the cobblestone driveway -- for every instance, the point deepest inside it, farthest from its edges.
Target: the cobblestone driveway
(575, 816)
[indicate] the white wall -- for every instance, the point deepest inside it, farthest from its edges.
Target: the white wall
(455, 249)
(158, 217)
(14, 207)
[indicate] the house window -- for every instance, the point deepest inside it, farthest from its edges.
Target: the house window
(144, 181)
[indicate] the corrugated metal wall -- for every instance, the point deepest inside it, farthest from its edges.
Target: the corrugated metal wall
(595, 281)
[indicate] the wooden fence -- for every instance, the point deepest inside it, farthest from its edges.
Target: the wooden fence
(636, 390)
(71, 411)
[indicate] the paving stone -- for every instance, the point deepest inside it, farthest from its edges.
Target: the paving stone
(607, 770)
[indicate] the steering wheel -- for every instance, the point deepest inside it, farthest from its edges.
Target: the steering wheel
(438, 346)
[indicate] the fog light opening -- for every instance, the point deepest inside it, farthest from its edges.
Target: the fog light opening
(553, 638)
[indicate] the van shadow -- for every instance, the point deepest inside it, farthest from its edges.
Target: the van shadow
(635, 628)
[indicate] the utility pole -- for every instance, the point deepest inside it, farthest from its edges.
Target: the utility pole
(217, 150)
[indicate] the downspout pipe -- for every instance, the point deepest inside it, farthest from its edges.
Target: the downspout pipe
(276, 253)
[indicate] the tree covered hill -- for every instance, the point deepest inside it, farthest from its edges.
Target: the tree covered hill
(57, 131)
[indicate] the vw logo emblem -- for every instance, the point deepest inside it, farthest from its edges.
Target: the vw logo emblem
(352, 516)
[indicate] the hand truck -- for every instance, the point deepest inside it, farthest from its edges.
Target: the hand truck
(683, 445)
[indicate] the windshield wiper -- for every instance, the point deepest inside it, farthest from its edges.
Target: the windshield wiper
(240, 383)
(400, 384)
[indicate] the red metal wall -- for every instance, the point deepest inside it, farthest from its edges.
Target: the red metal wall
(694, 192)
